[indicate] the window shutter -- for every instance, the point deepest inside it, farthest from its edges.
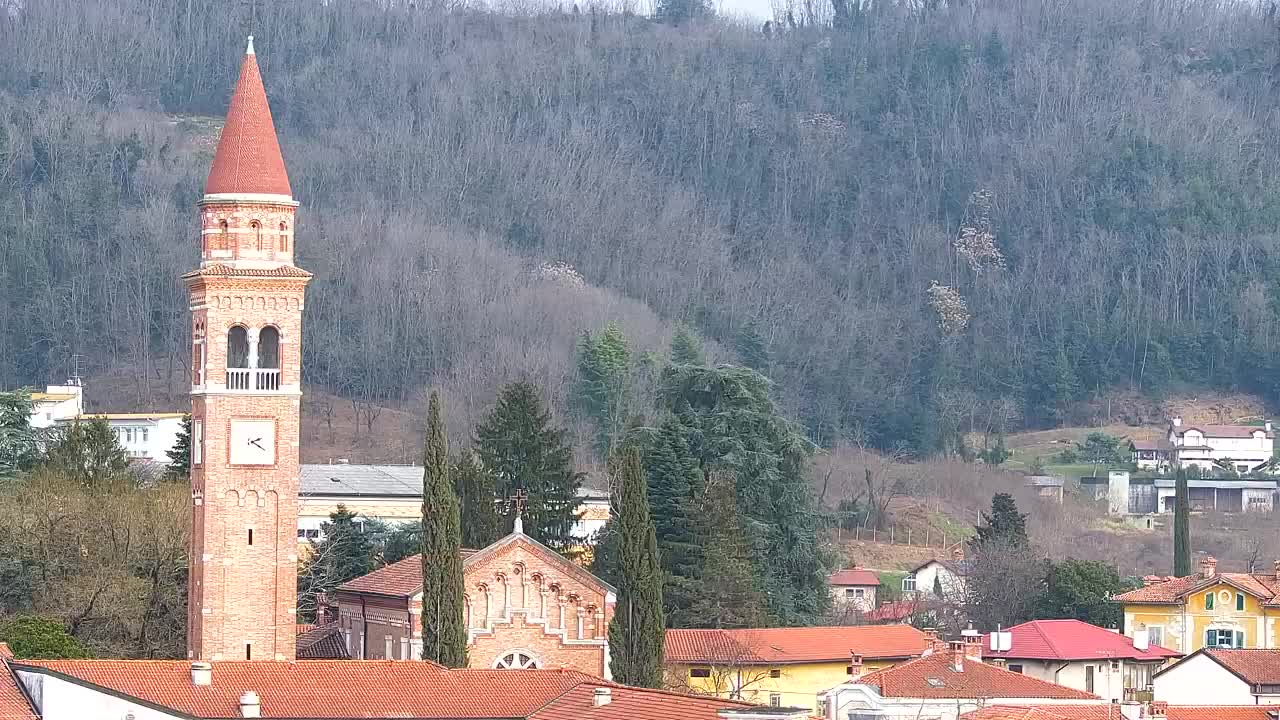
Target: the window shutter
(1239, 639)
(1239, 601)
(1211, 638)
(1208, 601)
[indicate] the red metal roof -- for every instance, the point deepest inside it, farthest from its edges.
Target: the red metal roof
(934, 676)
(854, 576)
(248, 159)
(777, 646)
(1071, 640)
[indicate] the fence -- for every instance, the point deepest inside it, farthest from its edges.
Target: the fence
(921, 537)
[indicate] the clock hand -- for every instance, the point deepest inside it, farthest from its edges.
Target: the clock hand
(257, 442)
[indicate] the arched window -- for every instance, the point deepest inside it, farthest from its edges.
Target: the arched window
(257, 234)
(517, 660)
(238, 347)
(269, 348)
(284, 241)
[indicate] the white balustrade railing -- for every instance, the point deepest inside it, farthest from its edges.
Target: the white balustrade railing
(253, 379)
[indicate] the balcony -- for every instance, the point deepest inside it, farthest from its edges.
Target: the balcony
(253, 379)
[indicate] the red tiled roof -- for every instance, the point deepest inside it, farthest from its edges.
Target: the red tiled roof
(248, 159)
(1256, 667)
(13, 704)
(933, 676)
(399, 579)
(1224, 431)
(1263, 587)
(900, 610)
(853, 576)
(775, 646)
(1111, 711)
(323, 690)
(220, 269)
(1071, 640)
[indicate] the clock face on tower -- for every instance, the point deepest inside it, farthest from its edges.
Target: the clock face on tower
(253, 442)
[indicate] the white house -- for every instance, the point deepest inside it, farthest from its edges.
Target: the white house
(938, 579)
(393, 494)
(56, 403)
(1225, 677)
(942, 686)
(1081, 656)
(854, 588)
(1243, 448)
(144, 436)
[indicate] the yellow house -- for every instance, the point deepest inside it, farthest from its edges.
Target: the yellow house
(1208, 609)
(789, 667)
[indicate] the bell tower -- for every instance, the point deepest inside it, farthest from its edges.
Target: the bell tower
(246, 331)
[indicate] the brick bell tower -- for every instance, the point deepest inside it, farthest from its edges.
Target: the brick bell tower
(246, 337)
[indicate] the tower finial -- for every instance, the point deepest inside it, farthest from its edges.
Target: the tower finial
(249, 50)
(519, 499)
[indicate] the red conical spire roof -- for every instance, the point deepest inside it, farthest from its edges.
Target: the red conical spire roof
(248, 158)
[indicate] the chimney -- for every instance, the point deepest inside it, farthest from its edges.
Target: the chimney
(601, 697)
(1267, 425)
(1159, 709)
(1208, 567)
(1275, 567)
(855, 666)
(1177, 422)
(250, 705)
(957, 655)
(201, 674)
(1141, 639)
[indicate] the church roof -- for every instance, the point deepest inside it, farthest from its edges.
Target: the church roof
(248, 160)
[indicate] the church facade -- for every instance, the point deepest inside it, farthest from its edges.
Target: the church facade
(526, 607)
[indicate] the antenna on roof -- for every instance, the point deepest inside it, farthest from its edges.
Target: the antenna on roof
(75, 371)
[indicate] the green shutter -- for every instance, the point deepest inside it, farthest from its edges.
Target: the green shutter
(1239, 601)
(1208, 601)
(1211, 638)
(1239, 639)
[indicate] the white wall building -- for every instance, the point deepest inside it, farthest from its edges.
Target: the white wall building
(393, 494)
(144, 436)
(1225, 677)
(1243, 448)
(56, 403)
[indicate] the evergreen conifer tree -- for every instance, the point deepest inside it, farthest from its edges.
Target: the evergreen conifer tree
(675, 482)
(686, 348)
(1181, 525)
(728, 593)
(180, 454)
(752, 347)
(17, 438)
(638, 627)
(519, 446)
(444, 637)
(1004, 524)
(604, 384)
(346, 552)
(481, 523)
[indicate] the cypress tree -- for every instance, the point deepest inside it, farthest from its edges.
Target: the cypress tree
(520, 447)
(1004, 524)
(638, 627)
(481, 523)
(1181, 526)
(444, 638)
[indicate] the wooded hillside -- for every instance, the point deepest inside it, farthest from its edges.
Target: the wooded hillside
(928, 218)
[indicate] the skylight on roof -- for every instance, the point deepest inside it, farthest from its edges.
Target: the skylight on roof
(935, 682)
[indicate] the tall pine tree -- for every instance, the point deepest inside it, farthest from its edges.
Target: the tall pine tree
(519, 446)
(481, 523)
(180, 454)
(638, 627)
(1004, 525)
(444, 637)
(686, 348)
(728, 593)
(1181, 525)
(604, 384)
(675, 484)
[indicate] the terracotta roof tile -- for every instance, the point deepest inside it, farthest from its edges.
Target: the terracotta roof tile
(324, 690)
(776, 646)
(1071, 640)
(248, 158)
(1225, 431)
(1113, 712)
(1173, 590)
(1256, 667)
(13, 703)
(854, 576)
(220, 270)
(934, 677)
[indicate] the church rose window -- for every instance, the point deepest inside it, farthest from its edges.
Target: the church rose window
(516, 661)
